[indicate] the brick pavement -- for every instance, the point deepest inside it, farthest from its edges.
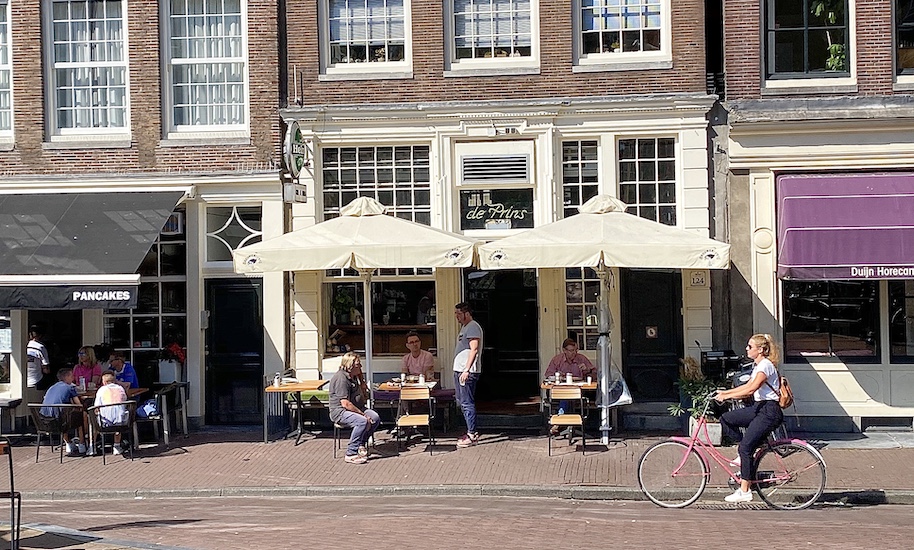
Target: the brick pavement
(225, 461)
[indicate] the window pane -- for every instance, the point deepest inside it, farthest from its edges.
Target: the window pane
(901, 321)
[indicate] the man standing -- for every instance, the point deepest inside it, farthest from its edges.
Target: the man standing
(123, 371)
(39, 363)
(467, 367)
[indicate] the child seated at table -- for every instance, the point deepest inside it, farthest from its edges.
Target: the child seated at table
(111, 393)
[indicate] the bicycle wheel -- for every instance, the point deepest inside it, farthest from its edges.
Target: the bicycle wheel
(790, 476)
(671, 475)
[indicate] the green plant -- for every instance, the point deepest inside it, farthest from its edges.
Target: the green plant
(837, 58)
(343, 302)
(831, 11)
(694, 387)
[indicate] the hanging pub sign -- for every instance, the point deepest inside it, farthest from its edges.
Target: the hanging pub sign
(295, 149)
(496, 209)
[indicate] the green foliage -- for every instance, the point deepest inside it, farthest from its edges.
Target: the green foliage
(827, 9)
(695, 390)
(837, 58)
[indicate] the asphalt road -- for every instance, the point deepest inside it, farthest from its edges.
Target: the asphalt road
(490, 523)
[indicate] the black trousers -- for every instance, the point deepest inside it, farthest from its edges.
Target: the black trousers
(759, 419)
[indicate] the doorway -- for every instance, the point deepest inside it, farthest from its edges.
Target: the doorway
(651, 332)
(62, 334)
(234, 351)
(505, 304)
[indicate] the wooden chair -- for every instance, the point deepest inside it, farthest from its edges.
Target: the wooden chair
(69, 418)
(409, 395)
(101, 427)
(569, 420)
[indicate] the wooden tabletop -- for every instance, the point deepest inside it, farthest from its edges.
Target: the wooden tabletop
(131, 393)
(583, 384)
(389, 386)
(302, 385)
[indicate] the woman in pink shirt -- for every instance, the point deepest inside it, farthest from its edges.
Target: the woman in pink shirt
(87, 367)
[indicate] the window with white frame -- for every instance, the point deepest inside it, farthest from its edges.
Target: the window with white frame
(807, 38)
(582, 288)
(489, 29)
(580, 174)
(647, 178)
(366, 31)
(207, 73)
(904, 37)
(88, 67)
(6, 99)
(231, 227)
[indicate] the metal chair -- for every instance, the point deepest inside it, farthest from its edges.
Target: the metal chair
(569, 420)
(102, 426)
(13, 495)
(163, 398)
(69, 417)
(409, 395)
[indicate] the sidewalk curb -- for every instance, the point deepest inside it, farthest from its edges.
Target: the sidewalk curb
(570, 492)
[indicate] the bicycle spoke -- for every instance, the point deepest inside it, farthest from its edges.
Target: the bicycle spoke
(789, 476)
(671, 475)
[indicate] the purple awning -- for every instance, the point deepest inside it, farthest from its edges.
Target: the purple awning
(850, 226)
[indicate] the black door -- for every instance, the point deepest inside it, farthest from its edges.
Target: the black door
(651, 332)
(234, 351)
(504, 303)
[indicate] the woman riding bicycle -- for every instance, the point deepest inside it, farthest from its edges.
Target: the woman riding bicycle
(760, 418)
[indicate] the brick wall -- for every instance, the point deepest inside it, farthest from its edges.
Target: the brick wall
(743, 55)
(146, 154)
(556, 78)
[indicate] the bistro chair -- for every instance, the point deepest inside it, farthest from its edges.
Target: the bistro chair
(70, 416)
(338, 437)
(13, 495)
(569, 420)
(102, 427)
(408, 396)
(164, 399)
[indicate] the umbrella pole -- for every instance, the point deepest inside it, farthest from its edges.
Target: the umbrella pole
(604, 356)
(366, 318)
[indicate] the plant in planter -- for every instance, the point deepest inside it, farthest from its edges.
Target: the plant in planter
(694, 390)
(342, 305)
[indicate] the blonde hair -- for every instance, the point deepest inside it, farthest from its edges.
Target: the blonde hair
(90, 353)
(766, 346)
(108, 377)
(348, 361)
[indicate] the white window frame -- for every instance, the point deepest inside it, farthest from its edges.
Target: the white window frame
(902, 81)
(211, 237)
(803, 84)
(678, 206)
(79, 135)
(454, 67)
(364, 71)
(623, 61)
(174, 131)
(6, 68)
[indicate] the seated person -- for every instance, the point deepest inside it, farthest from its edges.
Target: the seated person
(111, 393)
(123, 371)
(64, 393)
(417, 361)
(87, 367)
(348, 396)
(569, 361)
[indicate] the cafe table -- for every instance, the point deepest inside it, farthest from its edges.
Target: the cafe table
(294, 389)
(546, 385)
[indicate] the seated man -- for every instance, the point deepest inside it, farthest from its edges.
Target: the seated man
(64, 393)
(569, 361)
(348, 396)
(123, 371)
(111, 393)
(417, 361)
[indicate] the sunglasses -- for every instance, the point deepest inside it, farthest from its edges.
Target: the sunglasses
(82, 353)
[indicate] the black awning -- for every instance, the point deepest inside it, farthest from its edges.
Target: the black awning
(55, 245)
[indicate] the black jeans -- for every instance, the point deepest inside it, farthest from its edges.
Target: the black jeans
(759, 419)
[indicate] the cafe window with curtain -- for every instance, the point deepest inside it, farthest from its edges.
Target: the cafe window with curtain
(160, 318)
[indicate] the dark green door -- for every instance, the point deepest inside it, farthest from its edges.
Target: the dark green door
(651, 332)
(234, 351)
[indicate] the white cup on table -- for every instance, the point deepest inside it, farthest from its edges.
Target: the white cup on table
(589, 380)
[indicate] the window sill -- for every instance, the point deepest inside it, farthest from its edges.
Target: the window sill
(366, 72)
(797, 86)
(7, 143)
(87, 142)
(476, 70)
(903, 83)
(621, 66)
(190, 139)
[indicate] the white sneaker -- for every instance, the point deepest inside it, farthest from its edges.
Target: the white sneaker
(117, 450)
(355, 459)
(736, 462)
(363, 450)
(739, 496)
(71, 447)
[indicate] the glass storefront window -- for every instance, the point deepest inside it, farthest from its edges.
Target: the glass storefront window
(397, 307)
(831, 319)
(901, 321)
(6, 346)
(582, 286)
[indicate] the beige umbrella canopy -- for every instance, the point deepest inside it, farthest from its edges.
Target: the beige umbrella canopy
(603, 235)
(363, 237)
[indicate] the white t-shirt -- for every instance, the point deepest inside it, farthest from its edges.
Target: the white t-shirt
(38, 357)
(765, 393)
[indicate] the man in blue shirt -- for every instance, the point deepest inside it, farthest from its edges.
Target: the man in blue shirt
(123, 371)
(64, 393)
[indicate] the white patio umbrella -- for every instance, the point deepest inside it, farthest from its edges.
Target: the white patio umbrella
(603, 235)
(361, 238)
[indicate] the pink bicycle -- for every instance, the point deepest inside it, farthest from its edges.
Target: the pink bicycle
(790, 473)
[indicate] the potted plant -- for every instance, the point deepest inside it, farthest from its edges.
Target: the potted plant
(694, 390)
(171, 362)
(342, 305)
